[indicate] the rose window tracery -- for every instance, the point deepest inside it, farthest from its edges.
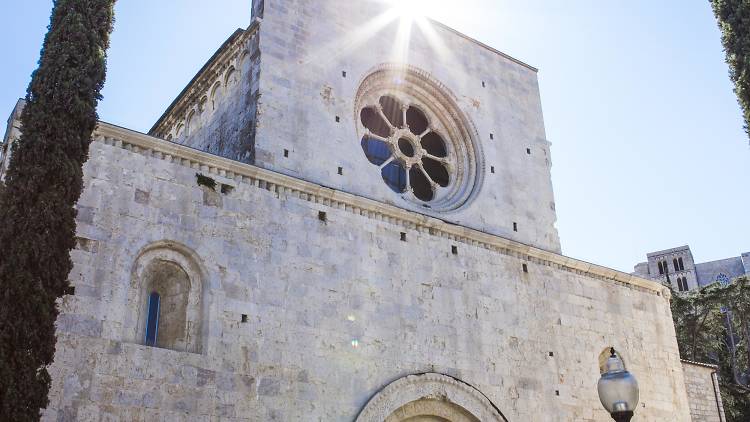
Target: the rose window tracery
(413, 133)
(411, 154)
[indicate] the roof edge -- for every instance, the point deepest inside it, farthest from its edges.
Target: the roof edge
(483, 45)
(237, 33)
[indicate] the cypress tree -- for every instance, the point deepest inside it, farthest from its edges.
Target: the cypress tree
(43, 184)
(734, 22)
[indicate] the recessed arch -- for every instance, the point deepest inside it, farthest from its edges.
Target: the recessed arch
(215, 95)
(430, 397)
(176, 273)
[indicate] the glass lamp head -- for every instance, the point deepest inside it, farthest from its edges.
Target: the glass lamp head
(618, 388)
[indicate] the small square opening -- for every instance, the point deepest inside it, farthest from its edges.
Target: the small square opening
(286, 153)
(403, 237)
(528, 151)
(492, 169)
(343, 73)
(70, 291)
(338, 119)
(492, 136)
(322, 216)
(484, 84)
(557, 392)
(454, 250)
(551, 354)
(244, 318)
(341, 170)
(525, 268)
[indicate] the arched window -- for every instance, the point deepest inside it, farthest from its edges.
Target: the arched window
(682, 265)
(152, 320)
(168, 286)
(676, 265)
(661, 268)
(682, 284)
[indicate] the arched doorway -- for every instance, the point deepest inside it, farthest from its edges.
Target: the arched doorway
(430, 398)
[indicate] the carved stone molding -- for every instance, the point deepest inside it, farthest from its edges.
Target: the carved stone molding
(430, 395)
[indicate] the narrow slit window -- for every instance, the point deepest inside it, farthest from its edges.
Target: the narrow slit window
(403, 237)
(682, 264)
(515, 227)
(676, 264)
(286, 153)
(152, 322)
(454, 250)
(525, 268)
(661, 268)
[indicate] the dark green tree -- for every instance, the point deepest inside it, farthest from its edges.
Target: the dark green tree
(734, 22)
(43, 184)
(712, 326)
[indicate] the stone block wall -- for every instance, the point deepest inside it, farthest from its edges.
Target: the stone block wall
(306, 316)
(703, 392)
(217, 111)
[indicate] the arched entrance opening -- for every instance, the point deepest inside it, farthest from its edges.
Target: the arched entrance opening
(430, 398)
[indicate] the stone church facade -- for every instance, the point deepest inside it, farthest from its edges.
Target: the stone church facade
(319, 229)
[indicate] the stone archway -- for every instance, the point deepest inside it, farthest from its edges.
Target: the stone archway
(430, 398)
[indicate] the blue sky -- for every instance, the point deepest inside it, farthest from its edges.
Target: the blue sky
(647, 142)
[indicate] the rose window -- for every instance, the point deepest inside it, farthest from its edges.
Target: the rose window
(410, 153)
(416, 138)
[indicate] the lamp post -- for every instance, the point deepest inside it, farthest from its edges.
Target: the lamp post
(618, 389)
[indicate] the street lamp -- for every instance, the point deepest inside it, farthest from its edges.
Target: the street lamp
(618, 389)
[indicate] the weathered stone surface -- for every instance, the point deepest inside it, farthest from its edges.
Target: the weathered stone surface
(703, 392)
(339, 308)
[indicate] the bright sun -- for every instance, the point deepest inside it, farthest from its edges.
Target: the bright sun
(412, 9)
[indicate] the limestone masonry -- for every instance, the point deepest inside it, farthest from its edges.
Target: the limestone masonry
(326, 227)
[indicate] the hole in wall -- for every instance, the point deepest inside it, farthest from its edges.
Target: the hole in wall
(322, 216)
(286, 153)
(454, 250)
(525, 268)
(403, 237)
(515, 227)
(244, 318)
(205, 181)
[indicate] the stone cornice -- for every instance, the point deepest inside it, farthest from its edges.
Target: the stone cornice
(234, 172)
(705, 365)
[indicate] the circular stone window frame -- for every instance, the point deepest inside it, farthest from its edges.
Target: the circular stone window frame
(430, 386)
(417, 88)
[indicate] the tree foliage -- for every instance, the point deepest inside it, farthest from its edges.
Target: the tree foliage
(734, 22)
(713, 325)
(43, 184)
